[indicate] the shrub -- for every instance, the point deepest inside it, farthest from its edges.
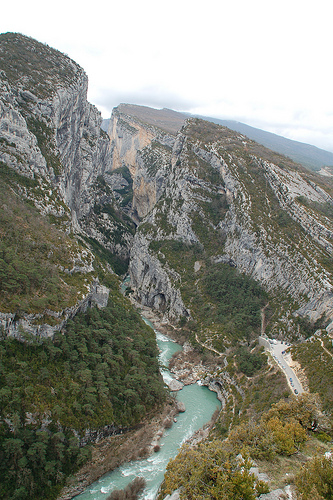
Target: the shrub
(315, 480)
(131, 492)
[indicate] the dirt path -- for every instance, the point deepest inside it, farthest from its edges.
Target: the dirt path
(326, 350)
(204, 344)
(263, 319)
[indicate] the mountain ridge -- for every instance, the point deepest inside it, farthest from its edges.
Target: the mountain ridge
(308, 155)
(222, 239)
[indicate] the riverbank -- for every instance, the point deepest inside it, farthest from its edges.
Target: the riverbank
(160, 324)
(138, 443)
(142, 441)
(110, 453)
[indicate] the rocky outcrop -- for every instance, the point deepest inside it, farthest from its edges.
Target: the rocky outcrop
(268, 233)
(96, 435)
(174, 496)
(145, 150)
(175, 385)
(152, 283)
(30, 324)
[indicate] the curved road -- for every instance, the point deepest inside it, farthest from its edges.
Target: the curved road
(277, 349)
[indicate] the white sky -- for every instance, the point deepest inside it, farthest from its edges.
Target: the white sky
(265, 63)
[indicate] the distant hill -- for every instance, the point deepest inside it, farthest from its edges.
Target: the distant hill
(165, 119)
(307, 155)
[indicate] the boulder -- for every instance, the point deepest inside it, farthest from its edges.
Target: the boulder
(175, 385)
(180, 407)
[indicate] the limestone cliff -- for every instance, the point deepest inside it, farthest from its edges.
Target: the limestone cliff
(55, 155)
(144, 148)
(244, 205)
(49, 130)
(197, 190)
(146, 151)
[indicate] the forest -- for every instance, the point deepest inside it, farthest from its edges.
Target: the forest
(101, 371)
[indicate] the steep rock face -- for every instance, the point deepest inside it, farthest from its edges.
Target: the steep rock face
(128, 136)
(268, 220)
(153, 283)
(83, 147)
(54, 134)
(145, 150)
(253, 250)
(18, 327)
(51, 135)
(14, 131)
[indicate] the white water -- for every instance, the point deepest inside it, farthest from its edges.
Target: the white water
(200, 404)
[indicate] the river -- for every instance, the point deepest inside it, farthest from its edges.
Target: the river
(200, 404)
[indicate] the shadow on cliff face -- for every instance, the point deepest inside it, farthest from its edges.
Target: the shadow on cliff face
(159, 302)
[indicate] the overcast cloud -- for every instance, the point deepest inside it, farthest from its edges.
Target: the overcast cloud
(265, 63)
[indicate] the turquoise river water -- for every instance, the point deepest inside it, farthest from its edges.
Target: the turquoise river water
(200, 404)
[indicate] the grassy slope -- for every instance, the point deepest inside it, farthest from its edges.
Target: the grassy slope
(34, 65)
(36, 258)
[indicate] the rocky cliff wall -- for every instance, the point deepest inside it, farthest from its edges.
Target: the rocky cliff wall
(21, 327)
(267, 232)
(145, 150)
(51, 134)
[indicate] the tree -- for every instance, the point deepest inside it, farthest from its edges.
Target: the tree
(211, 471)
(315, 480)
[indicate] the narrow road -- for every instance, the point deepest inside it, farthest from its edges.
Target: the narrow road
(278, 349)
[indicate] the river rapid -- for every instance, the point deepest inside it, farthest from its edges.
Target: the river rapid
(200, 404)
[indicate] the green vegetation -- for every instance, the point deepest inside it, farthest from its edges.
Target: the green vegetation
(34, 189)
(117, 263)
(46, 143)
(126, 192)
(10, 176)
(225, 303)
(264, 389)
(109, 207)
(214, 469)
(124, 124)
(155, 157)
(207, 132)
(163, 219)
(236, 300)
(211, 471)
(113, 227)
(34, 65)
(216, 208)
(315, 480)
(280, 431)
(250, 362)
(34, 256)
(318, 366)
(325, 209)
(123, 224)
(102, 370)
